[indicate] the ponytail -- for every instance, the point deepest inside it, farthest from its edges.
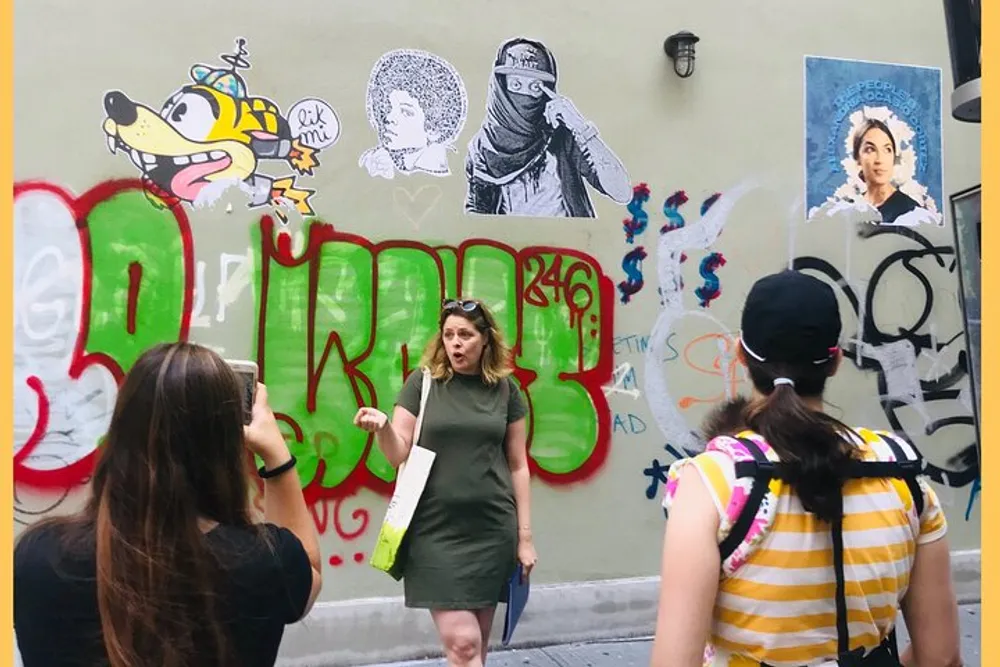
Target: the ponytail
(813, 446)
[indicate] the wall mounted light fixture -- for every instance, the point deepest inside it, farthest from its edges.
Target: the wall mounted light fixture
(680, 48)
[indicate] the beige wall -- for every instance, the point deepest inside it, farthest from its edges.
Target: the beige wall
(737, 121)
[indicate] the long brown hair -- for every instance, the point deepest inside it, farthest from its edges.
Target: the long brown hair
(173, 455)
(496, 362)
(812, 445)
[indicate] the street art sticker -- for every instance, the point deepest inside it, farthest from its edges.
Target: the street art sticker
(417, 105)
(211, 135)
(873, 146)
(535, 152)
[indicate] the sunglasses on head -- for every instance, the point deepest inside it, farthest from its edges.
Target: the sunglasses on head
(467, 305)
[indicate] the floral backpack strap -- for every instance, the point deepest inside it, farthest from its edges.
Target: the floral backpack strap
(747, 509)
(750, 512)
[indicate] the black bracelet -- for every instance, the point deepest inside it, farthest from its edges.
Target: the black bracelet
(274, 472)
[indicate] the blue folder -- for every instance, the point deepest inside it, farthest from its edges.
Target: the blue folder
(517, 598)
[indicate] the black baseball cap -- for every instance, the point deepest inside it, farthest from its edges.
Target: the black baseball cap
(791, 317)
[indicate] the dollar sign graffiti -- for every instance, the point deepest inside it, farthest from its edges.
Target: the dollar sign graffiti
(631, 264)
(671, 212)
(712, 287)
(637, 223)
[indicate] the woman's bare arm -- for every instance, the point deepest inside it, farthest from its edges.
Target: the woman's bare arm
(517, 460)
(689, 576)
(931, 611)
(394, 437)
(284, 504)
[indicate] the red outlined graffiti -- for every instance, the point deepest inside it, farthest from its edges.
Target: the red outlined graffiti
(132, 272)
(323, 518)
(536, 278)
(84, 356)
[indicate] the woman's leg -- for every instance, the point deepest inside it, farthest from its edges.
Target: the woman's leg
(485, 618)
(461, 636)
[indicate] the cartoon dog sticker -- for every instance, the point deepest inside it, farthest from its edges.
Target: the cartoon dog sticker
(212, 134)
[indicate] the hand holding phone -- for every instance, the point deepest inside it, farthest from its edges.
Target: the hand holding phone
(247, 372)
(262, 435)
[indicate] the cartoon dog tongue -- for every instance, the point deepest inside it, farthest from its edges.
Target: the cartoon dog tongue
(189, 181)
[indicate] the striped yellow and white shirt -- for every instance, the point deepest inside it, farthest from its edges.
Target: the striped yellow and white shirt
(776, 599)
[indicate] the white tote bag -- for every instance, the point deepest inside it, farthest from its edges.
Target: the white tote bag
(411, 478)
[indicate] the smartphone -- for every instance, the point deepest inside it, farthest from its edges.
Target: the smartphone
(247, 373)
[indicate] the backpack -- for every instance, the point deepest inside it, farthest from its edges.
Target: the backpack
(907, 466)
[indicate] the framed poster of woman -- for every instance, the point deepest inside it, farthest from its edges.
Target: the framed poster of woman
(873, 142)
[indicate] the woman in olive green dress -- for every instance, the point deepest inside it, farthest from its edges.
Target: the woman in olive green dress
(473, 522)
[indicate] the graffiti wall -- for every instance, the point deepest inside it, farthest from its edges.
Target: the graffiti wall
(225, 192)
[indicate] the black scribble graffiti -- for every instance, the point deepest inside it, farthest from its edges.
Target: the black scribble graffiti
(239, 59)
(25, 515)
(74, 431)
(92, 396)
(964, 466)
(44, 504)
(657, 474)
(967, 458)
(535, 151)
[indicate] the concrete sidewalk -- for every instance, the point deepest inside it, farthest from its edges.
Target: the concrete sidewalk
(635, 653)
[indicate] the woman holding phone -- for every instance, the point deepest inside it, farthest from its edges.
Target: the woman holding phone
(473, 522)
(164, 564)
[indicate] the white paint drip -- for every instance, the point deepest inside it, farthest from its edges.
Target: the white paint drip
(965, 398)
(938, 366)
(213, 191)
(198, 320)
(231, 285)
(332, 305)
(346, 285)
(695, 235)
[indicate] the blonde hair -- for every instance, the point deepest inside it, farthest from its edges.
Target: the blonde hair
(496, 361)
